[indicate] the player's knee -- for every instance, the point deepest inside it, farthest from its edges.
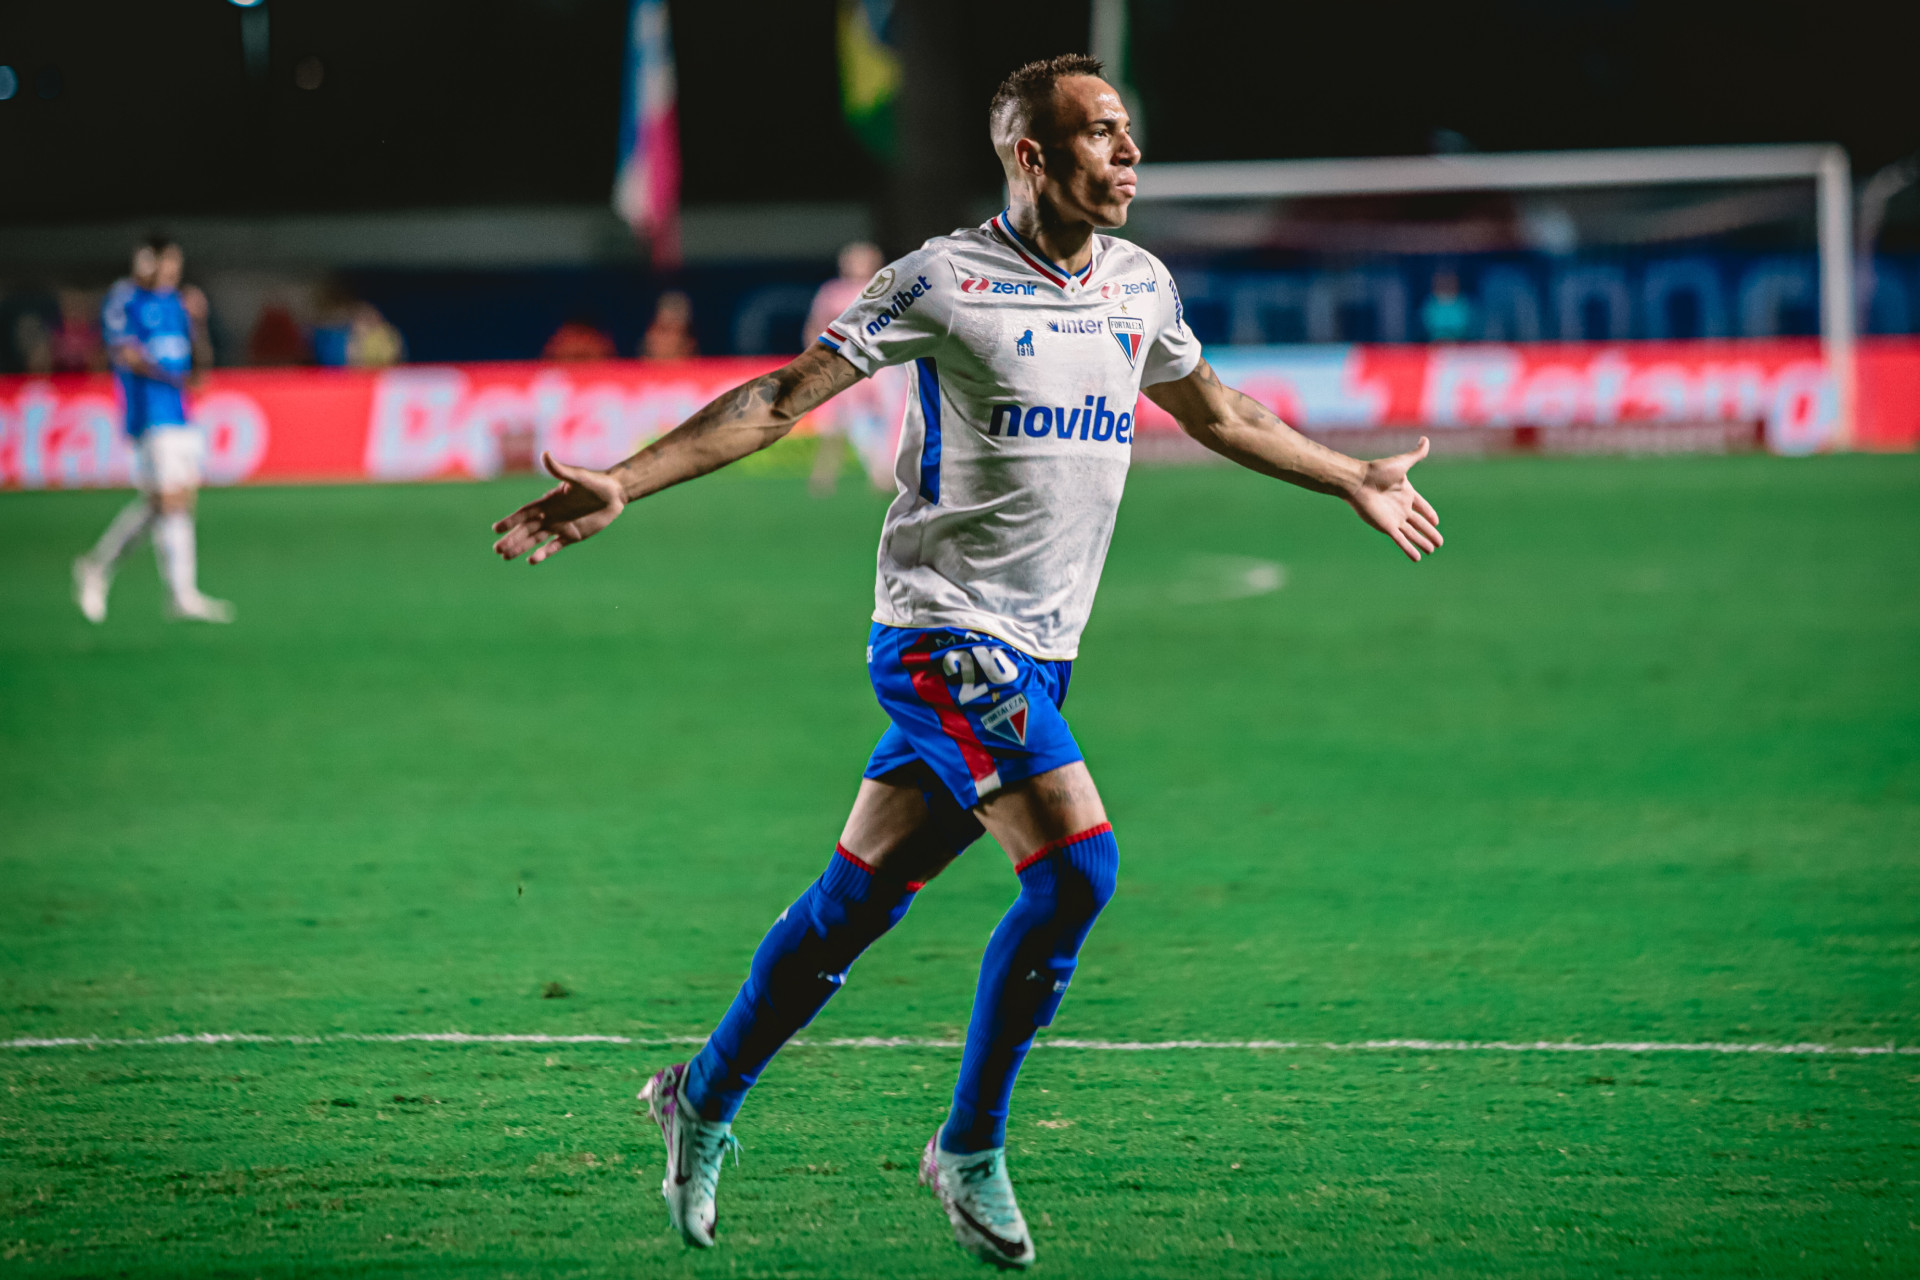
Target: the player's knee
(1087, 870)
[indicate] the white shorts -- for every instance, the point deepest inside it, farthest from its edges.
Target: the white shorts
(167, 459)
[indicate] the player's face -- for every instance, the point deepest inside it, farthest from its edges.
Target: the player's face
(168, 268)
(146, 265)
(1090, 155)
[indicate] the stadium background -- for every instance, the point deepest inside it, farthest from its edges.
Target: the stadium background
(1631, 764)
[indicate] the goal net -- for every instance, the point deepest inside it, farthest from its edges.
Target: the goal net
(1685, 298)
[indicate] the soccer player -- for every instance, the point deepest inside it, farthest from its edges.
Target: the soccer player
(1030, 339)
(150, 333)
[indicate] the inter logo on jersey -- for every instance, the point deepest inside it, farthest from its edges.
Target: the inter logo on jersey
(1009, 719)
(1129, 332)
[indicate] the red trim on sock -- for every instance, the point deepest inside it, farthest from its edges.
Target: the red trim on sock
(1055, 845)
(913, 886)
(842, 851)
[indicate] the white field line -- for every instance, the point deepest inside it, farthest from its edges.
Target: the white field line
(919, 1042)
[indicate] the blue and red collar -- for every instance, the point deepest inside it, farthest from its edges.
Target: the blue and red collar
(1031, 255)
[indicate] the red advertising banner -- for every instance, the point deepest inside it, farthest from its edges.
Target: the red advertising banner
(1780, 388)
(465, 421)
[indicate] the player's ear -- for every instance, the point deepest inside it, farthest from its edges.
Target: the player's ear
(1029, 156)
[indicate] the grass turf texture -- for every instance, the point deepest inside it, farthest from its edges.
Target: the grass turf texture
(1634, 758)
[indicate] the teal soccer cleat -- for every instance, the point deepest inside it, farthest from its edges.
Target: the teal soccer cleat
(695, 1148)
(978, 1197)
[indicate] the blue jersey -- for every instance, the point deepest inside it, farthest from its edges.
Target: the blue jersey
(158, 324)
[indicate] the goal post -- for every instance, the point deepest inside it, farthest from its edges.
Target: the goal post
(1823, 164)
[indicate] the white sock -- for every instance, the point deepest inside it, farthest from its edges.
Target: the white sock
(173, 547)
(133, 520)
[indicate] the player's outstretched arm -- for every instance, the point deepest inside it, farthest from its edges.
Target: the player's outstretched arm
(748, 418)
(1238, 427)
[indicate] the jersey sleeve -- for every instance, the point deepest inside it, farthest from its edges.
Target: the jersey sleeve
(905, 313)
(116, 316)
(1172, 350)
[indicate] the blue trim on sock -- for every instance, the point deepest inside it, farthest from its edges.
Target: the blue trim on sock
(1023, 977)
(797, 968)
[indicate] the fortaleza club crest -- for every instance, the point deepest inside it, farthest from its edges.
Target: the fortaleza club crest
(1129, 332)
(1009, 719)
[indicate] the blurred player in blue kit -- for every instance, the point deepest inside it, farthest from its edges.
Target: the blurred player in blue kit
(150, 328)
(1028, 341)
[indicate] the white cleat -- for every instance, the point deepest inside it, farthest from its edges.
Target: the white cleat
(978, 1197)
(90, 589)
(694, 1151)
(200, 608)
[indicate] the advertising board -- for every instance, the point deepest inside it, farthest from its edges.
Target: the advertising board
(449, 422)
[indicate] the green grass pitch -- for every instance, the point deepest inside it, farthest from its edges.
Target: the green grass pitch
(1635, 758)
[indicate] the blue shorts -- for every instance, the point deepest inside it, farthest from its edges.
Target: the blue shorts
(978, 712)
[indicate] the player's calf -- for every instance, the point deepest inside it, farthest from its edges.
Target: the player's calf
(797, 968)
(1023, 977)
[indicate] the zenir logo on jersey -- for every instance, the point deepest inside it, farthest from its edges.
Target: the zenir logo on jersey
(1009, 719)
(1129, 332)
(980, 284)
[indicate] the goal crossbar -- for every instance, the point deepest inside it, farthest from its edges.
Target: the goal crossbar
(1824, 164)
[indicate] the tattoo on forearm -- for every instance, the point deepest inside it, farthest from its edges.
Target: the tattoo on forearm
(747, 418)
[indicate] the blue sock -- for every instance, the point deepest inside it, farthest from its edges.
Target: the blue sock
(799, 965)
(1023, 978)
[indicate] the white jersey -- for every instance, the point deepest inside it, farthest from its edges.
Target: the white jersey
(1019, 426)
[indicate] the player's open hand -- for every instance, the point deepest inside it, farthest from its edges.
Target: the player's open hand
(1386, 500)
(581, 505)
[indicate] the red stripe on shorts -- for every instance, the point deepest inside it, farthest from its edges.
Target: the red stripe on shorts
(934, 692)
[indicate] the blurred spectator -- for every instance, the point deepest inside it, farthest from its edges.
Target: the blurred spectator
(353, 334)
(76, 340)
(372, 341)
(277, 338)
(1446, 316)
(578, 339)
(333, 325)
(859, 263)
(670, 336)
(867, 414)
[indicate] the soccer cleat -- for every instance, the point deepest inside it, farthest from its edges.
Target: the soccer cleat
(90, 589)
(694, 1151)
(978, 1197)
(199, 608)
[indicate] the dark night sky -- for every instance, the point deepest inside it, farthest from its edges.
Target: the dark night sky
(448, 102)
